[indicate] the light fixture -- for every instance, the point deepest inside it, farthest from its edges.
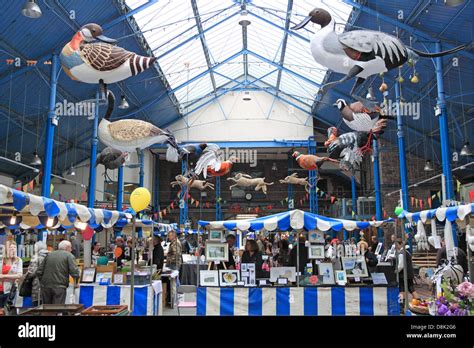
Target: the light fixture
(49, 222)
(428, 166)
(453, 3)
(13, 219)
(72, 171)
(31, 9)
(465, 151)
(274, 167)
(36, 161)
(123, 103)
(246, 99)
(244, 18)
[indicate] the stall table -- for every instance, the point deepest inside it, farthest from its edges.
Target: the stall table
(311, 301)
(188, 273)
(146, 299)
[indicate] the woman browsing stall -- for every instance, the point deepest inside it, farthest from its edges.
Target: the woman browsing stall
(11, 271)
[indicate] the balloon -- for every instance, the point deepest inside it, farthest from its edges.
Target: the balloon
(140, 198)
(87, 233)
(118, 252)
(398, 210)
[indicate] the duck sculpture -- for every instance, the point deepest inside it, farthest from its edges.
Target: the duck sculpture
(358, 53)
(311, 162)
(357, 116)
(95, 62)
(131, 134)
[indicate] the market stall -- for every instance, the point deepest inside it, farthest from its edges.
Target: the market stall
(345, 293)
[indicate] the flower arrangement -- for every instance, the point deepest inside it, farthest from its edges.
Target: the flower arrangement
(456, 301)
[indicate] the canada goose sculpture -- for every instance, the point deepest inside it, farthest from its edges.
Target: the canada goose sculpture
(358, 53)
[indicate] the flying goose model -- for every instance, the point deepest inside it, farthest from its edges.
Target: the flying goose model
(130, 134)
(358, 53)
(95, 62)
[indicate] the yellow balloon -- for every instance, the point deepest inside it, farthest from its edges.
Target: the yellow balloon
(140, 198)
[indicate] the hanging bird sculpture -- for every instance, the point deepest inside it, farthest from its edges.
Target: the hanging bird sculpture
(218, 168)
(311, 162)
(131, 134)
(198, 154)
(360, 118)
(359, 53)
(111, 159)
(349, 147)
(94, 62)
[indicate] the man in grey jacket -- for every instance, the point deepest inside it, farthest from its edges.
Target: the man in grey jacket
(54, 274)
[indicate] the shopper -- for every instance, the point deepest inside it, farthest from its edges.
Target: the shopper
(261, 243)
(461, 257)
(76, 247)
(158, 253)
(54, 274)
(374, 242)
(11, 267)
(303, 255)
(40, 254)
(230, 264)
(283, 257)
(102, 260)
(410, 273)
(95, 252)
(174, 256)
(253, 255)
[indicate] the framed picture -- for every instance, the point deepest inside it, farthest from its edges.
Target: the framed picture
(228, 277)
(355, 267)
(283, 272)
(104, 277)
(119, 278)
(316, 252)
(378, 248)
(88, 275)
(315, 236)
(216, 251)
(209, 278)
(326, 272)
(341, 278)
(247, 274)
(216, 235)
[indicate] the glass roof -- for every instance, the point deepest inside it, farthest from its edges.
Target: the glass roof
(172, 30)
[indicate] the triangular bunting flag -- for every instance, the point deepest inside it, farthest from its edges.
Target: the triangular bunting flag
(421, 204)
(333, 199)
(197, 204)
(439, 195)
(412, 201)
(172, 205)
(458, 185)
(429, 202)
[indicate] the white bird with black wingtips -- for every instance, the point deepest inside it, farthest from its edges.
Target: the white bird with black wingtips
(358, 53)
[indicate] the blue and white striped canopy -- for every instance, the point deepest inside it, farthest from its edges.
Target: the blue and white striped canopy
(293, 219)
(64, 214)
(451, 213)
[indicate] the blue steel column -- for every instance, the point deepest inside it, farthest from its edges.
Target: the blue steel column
(156, 185)
(48, 148)
(218, 199)
(120, 189)
(401, 151)
(291, 202)
(142, 169)
(183, 199)
(354, 196)
(444, 134)
(378, 196)
(95, 141)
(313, 175)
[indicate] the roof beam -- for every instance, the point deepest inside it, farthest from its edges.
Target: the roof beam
(284, 42)
(401, 25)
(290, 32)
(128, 14)
(205, 48)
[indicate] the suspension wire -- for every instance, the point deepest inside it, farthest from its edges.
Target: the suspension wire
(23, 116)
(462, 104)
(9, 114)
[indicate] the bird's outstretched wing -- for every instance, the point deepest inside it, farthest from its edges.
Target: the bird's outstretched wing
(104, 56)
(208, 158)
(129, 130)
(376, 42)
